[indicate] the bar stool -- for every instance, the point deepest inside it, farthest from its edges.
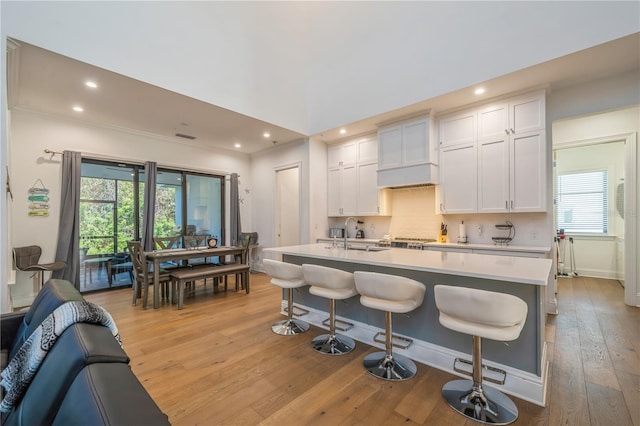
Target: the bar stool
(487, 314)
(289, 276)
(332, 284)
(391, 294)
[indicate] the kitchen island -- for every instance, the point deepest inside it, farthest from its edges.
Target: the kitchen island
(524, 359)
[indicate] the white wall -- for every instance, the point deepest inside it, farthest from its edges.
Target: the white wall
(32, 133)
(311, 66)
(263, 189)
(237, 55)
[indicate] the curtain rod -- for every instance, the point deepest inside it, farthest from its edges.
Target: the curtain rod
(109, 158)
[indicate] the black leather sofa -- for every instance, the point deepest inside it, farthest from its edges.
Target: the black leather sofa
(85, 378)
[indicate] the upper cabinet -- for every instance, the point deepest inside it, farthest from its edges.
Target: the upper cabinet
(351, 179)
(457, 129)
(404, 154)
(343, 154)
(510, 157)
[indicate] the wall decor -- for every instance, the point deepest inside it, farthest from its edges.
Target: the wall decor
(38, 199)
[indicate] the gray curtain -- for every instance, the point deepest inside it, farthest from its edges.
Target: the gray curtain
(234, 211)
(68, 250)
(149, 209)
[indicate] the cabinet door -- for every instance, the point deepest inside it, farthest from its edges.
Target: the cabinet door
(368, 151)
(348, 187)
(493, 121)
(390, 147)
(415, 142)
(368, 192)
(493, 175)
(457, 129)
(458, 179)
(527, 114)
(528, 168)
(334, 192)
(341, 154)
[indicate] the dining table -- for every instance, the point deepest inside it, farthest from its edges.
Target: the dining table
(156, 257)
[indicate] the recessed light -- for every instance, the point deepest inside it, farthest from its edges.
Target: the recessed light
(237, 145)
(91, 84)
(343, 131)
(78, 108)
(266, 135)
(479, 91)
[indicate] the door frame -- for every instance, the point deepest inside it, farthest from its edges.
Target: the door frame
(294, 165)
(631, 288)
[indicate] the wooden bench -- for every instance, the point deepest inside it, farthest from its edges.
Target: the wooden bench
(182, 276)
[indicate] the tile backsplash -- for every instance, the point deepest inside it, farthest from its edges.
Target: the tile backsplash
(413, 211)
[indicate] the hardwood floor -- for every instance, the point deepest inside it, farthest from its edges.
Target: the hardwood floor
(216, 362)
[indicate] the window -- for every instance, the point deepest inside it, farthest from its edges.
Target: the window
(111, 205)
(582, 202)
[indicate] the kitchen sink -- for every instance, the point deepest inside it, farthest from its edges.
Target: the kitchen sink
(366, 248)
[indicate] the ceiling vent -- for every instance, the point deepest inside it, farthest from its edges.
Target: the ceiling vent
(182, 135)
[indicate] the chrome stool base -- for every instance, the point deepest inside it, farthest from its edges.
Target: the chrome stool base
(395, 368)
(289, 327)
(484, 405)
(333, 344)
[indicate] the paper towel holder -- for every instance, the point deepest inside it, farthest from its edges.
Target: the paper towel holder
(462, 234)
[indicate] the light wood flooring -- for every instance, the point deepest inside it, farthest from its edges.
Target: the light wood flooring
(216, 362)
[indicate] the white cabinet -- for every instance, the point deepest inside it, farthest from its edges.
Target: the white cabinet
(493, 175)
(371, 200)
(404, 154)
(510, 161)
(367, 150)
(343, 154)
(352, 182)
(517, 115)
(390, 147)
(341, 185)
(404, 144)
(458, 174)
(511, 173)
(457, 128)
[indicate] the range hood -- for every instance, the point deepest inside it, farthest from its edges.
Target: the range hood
(400, 177)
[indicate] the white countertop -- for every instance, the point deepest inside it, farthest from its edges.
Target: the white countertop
(523, 270)
(532, 249)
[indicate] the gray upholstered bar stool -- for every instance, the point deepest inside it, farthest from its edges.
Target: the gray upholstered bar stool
(289, 276)
(482, 314)
(391, 294)
(332, 284)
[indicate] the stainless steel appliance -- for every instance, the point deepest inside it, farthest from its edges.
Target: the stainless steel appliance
(408, 243)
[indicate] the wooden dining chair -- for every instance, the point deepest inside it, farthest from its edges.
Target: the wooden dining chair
(164, 243)
(140, 285)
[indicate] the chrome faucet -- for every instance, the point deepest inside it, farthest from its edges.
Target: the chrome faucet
(346, 224)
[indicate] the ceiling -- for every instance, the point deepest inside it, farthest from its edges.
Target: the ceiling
(44, 81)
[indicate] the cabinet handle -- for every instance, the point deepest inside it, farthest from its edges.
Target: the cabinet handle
(441, 207)
(511, 204)
(506, 131)
(512, 131)
(506, 205)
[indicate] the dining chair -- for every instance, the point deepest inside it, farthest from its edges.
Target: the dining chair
(140, 284)
(164, 243)
(120, 263)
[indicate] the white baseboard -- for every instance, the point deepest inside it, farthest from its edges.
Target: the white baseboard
(518, 383)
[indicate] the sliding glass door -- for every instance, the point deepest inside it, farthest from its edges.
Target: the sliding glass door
(111, 205)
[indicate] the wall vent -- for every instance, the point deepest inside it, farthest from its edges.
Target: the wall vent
(182, 135)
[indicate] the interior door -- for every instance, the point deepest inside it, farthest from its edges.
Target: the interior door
(288, 207)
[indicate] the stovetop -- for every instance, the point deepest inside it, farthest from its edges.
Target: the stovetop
(414, 240)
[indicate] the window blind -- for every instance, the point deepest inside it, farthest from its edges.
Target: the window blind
(582, 202)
